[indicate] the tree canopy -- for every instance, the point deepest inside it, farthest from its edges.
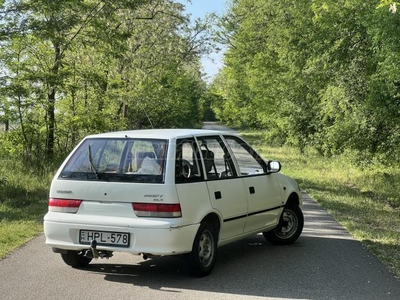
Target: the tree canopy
(76, 67)
(320, 73)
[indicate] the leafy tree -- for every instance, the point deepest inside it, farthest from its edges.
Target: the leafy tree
(78, 67)
(320, 73)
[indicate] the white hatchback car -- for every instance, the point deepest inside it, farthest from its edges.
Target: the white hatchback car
(167, 192)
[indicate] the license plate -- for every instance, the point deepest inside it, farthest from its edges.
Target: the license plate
(104, 238)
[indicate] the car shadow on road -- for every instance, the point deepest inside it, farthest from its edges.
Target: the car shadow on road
(315, 267)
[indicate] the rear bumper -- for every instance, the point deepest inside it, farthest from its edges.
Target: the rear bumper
(155, 241)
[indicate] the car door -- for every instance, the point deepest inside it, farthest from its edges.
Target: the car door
(226, 190)
(189, 181)
(262, 189)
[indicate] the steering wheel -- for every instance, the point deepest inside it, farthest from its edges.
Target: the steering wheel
(186, 168)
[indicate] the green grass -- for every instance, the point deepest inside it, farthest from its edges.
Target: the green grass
(23, 203)
(18, 226)
(366, 202)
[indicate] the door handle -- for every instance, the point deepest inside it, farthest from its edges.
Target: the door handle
(217, 195)
(252, 190)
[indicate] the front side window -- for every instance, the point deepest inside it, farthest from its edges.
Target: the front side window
(249, 162)
(134, 160)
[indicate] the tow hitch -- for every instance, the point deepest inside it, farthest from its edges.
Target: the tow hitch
(92, 252)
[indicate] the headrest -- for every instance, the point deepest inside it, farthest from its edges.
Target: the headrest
(208, 157)
(140, 155)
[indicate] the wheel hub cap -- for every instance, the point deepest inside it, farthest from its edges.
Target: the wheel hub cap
(206, 249)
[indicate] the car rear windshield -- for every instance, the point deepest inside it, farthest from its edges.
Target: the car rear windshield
(131, 160)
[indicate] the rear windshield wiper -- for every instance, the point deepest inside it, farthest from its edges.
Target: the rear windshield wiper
(92, 167)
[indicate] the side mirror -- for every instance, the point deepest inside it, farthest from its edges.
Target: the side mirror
(274, 166)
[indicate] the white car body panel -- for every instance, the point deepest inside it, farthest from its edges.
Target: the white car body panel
(263, 185)
(231, 205)
(113, 191)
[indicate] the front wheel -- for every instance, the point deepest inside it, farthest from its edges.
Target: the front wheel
(202, 258)
(75, 259)
(289, 227)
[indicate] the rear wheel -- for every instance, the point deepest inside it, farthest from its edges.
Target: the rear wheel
(289, 228)
(202, 258)
(75, 259)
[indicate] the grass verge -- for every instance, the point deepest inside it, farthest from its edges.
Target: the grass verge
(23, 203)
(365, 202)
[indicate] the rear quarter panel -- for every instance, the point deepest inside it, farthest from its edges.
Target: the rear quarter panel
(194, 202)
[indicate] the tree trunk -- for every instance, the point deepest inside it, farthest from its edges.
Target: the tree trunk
(51, 123)
(51, 103)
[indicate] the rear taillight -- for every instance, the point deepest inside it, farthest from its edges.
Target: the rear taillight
(157, 210)
(64, 205)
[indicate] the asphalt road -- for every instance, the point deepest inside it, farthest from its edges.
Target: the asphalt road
(325, 263)
(215, 126)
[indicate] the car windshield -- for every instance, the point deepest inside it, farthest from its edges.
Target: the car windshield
(132, 160)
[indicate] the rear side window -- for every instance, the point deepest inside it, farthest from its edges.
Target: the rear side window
(134, 160)
(187, 162)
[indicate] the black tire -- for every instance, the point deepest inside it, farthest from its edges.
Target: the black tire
(290, 226)
(75, 259)
(204, 253)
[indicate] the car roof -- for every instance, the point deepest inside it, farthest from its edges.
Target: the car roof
(159, 133)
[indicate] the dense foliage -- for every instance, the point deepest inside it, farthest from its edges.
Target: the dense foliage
(320, 73)
(75, 67)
